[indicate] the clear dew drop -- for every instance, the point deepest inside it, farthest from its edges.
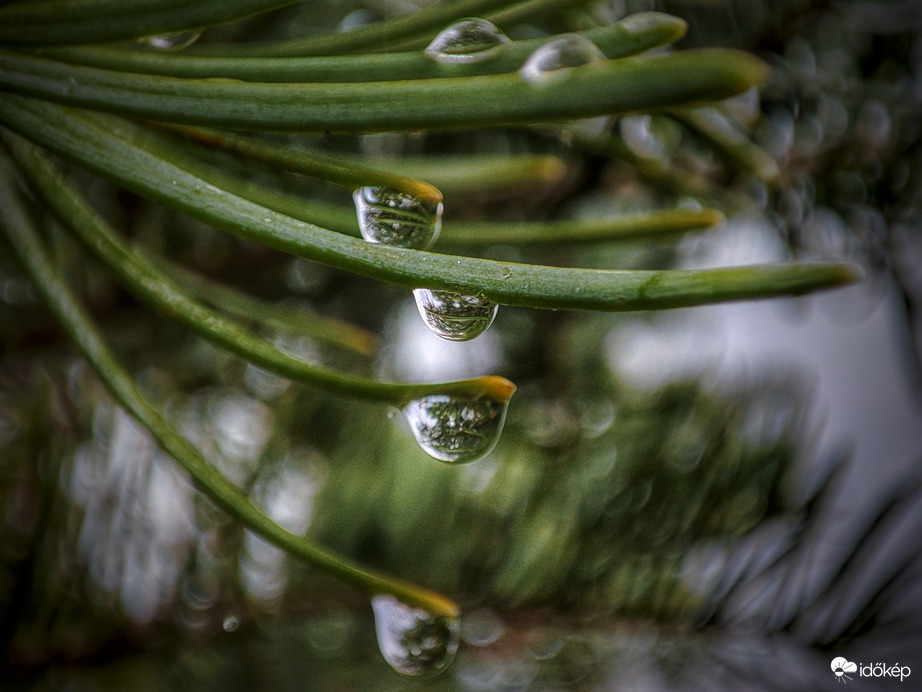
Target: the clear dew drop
(456, 430)
(454, 316)
(413, 641)
(174, 41)
(552, 60)
(395, 218)
(469, 40)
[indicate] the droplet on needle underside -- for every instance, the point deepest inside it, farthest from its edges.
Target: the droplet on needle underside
(455, 429)
(454, 316)
(413, 641)
(399, 219)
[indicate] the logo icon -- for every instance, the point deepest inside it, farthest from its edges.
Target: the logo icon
(840, 667)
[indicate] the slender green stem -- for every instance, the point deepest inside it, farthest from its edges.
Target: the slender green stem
(155, 288)
(285, 319)
(377, 36)
(624, 227)
(599, 88)
(332, 169)
(94, 21)
(630, 36)
(48, 282)
(68, 133)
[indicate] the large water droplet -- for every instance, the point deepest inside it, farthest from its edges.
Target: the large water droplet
(413, 641)
(454, 429)
(395, 218)
(551, 61)
(454, 316)
(175, 41)
(469, 40)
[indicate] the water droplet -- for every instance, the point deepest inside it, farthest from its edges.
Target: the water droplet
(800, 56)
(596, 416)
(588, 127)
(456, 430)
(544, 643)
(175, 41)
(640, 494)
(357, 19)
(454, 316)
(639, 136)
(481, 627)
(469, 40)
(231, 623)
(551, 61)
(413, 641)
(640, 22)
(873, 124)
(395, 218)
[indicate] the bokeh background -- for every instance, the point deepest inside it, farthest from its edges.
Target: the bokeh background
(712, 498)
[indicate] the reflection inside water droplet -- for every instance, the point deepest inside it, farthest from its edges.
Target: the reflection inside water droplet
(413, 641)
(469, 40)
(175, 41)
(551, 61)
(454, 316)
(395, 218)
(456, 430)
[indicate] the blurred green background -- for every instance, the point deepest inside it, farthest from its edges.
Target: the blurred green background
(712, 498)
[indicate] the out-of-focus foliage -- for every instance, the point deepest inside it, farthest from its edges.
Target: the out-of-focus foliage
(613, 531)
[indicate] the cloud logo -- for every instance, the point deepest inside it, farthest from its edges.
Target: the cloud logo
(840, 666)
